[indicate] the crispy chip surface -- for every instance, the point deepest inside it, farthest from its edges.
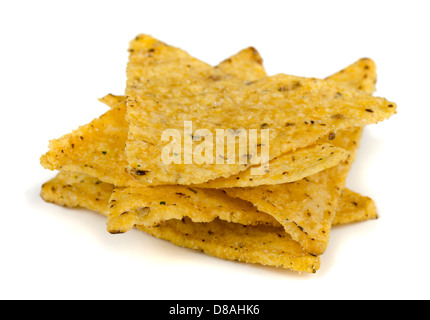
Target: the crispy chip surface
(97, 149)
(248, 196)
(231, 241)
(286, 168)
(151, 206)
(112, 100)
(273, 223)
(78, 190)
(166, 87)
(360, 75)
(306, 208)
(246, 64)
(252, 244)
(354, 207)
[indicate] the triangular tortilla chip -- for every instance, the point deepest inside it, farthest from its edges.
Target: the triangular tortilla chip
(151, 206)
(111, 100)
(286, 168)
(246, 64)
(247, 196)
(306, 208)
(360, 75)
(354, 207)
(166, 87)
(98, 148)
(267, 246)
(253, 244)
(174, 231)
(78, 190)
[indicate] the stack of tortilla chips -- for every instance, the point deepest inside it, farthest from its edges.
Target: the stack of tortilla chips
(281, 218)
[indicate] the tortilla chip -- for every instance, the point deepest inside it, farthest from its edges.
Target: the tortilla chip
(360, 75)
(78, 190)
(354, 207)
(252, 244)
(112, 100)
(166, 87)
(97, 149)
(116, 135)
(305, 208)
(243, 235)
(286, 168)
(247, 64)
(231, 241)
(151, 206)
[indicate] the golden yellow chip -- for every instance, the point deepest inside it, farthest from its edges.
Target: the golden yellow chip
(75, 190)
(112, 100)
(151, 206)
(252, 244)
(166, 87)
(279, 224)
(306, 208)
(354, 207)
(286, 168)
(247, 65)
(78, 190)
(360, 75)
(97, 149)
(231, 241)
(110, 160)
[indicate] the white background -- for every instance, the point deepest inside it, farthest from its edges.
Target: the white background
(57, 58)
